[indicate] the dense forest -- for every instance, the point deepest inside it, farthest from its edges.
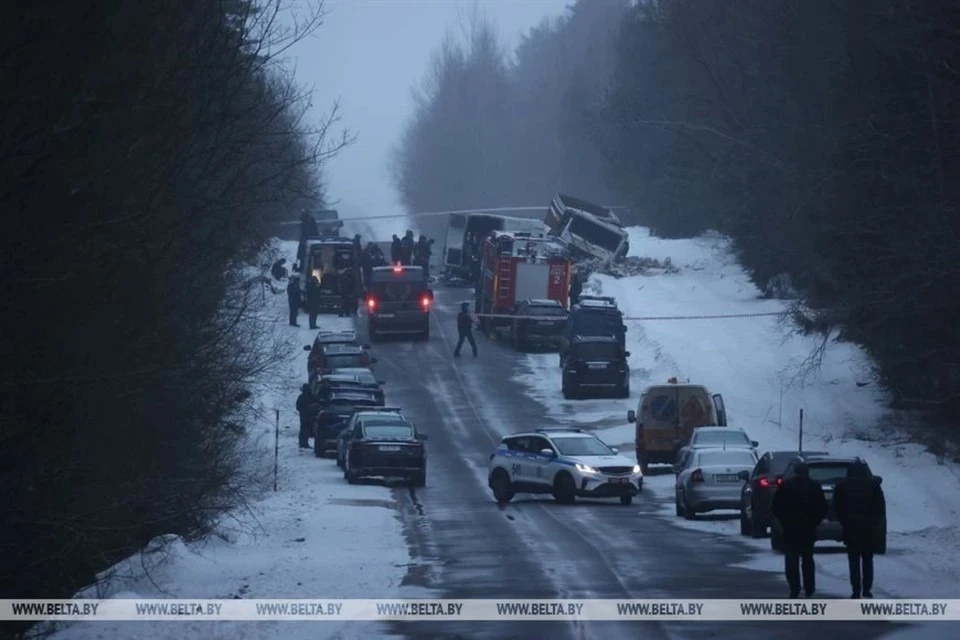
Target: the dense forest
(820, 135)
(145, 152)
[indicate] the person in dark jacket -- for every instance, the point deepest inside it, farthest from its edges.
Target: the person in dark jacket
(278, 270)
(305, 409)
(396, 250)
(313, 300)
(357, 245)
(861, 509)
(406, 248)
(576, 289)
(366, 264)
(799, 506)
(422, 254)
(465, 329)
(348, 295)
(308, 226)
(293, 299)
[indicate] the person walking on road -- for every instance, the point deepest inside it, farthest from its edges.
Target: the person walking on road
(799, 507)
(305, 409)
(465, 330)
(861, 509)
(293, 299)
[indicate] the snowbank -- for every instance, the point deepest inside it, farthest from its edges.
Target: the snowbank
(316, 537)
(762, 369)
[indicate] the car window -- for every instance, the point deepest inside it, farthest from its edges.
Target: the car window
(828, 473)
(599, 350)
(341, 360)
(779, 464)
(762, 467)
(731, 457)
(720, 437)
(516, 444)
(586, 446)
(538, 444)
(386, 430)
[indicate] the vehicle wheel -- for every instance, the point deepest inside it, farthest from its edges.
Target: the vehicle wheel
(757, 529)
(564, 489)
(744, 523)
(420, 480)
(317, 447)
(500, 484)
(626, 500)
(688, 512)
(676, 504)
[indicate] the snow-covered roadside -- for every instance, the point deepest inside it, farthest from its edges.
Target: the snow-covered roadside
(755, 363)
(316, 537)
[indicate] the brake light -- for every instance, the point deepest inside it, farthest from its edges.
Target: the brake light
(779, 481)
(371, 304)
(764, 482)
(398, 268)
(425, 303)
(697, 476)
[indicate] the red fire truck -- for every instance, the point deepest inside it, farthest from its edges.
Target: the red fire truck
(519, 266)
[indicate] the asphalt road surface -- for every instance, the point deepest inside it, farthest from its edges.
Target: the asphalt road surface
(465, 546)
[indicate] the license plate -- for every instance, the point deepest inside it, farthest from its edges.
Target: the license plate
(386, 315)
(619, 480)
(597, 366)
(389, 448)
(545, 323)
(727, 478)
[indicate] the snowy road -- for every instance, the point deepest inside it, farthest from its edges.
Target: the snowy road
(464, 546)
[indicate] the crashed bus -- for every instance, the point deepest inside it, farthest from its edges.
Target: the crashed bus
(589, 230)
(466, 234)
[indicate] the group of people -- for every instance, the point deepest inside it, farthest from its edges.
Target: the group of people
(800, 505)
(411, 252)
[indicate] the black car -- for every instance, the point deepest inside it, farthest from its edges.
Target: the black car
(592, 316)
(326, 387)
(543, 331)
(596, 364)
(398, 302)
(759, 487)
(334, 416)
(325, 338)
(382, 414)
(339, 356)
(828, 471)
(385, 449)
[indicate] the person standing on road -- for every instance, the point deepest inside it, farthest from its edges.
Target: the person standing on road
(305, 409)
(861, 509)
(799, 507)
(465, 330)
(313, 300)
(279, 270)
(422, 254)
(576, 289)
(293, 299)
(396, 250)
(406, 249)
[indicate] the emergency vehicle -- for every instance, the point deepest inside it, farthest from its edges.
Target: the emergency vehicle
(516, 267)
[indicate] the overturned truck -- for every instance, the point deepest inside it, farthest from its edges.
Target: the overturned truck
(590, 231)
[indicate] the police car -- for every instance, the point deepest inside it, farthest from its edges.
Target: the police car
(567, 463)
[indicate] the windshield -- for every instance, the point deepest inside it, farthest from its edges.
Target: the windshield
(598, 350)
(341, 360)
(351, 401)
(732, 458)
(828, 474)
(582, 447)
(384, 430)
(720, 437)
(326, 215)
(595, 234)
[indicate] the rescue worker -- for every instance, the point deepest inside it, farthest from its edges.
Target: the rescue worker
(396, 250)
(366, 263)
(861, 509)
(576, 288)
(305, 409)
(799, 506)
(278, 270)
(465, 330)
(406, 248)
(313, 300)
(357, 246)
(422, 254)
(348, 296)
(379, 260)
(308, 226)
(293, 299)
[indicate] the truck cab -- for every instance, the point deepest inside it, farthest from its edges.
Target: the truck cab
(667, 414)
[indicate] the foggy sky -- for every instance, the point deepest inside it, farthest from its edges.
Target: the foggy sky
(370, 54)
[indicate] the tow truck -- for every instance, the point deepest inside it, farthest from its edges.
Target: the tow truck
(515, 267)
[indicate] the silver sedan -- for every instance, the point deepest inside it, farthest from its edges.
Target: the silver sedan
(709, 479)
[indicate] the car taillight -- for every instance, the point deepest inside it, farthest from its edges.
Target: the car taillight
(697, 476)
(425, 303)
(764, 482)
(779, 481)
(371, 304)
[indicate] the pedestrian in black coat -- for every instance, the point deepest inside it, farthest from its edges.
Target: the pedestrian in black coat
(465, 330)
(305, 409)
(576, 289)
(293, 299)
(861, 509)
(279, 270)
(313, 300)
(396, 250)
(406, 249)
(799, 506)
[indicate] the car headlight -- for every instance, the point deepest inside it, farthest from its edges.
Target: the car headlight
(636, 468)
(583, 468)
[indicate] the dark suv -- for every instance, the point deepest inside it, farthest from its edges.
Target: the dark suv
(398, 302)
(593, 316)
(596, 363)
(325, 338)
(539, 323)
(759, 487)
(828, 471)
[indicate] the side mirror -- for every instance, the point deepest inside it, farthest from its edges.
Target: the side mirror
(614, 449)
(307, 347)
(631, 416)
(626, 354)
(373, 360)
(547, 452)
(879, 479)
(744, 475)
(754, 444)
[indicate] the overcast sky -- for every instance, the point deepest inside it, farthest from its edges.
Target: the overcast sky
(370, 54)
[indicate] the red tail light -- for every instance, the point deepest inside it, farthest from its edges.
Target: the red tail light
(697, 476)
(779, 480)
(371, 304)
(425, 303)
(764, 482)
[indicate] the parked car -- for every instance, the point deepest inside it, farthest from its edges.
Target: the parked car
(380, 414)
(335, 415)
(338, 356)
(710, 479)
(366, 376)
(325, 386)
(544, 331)
(385, 448)
(759, 486)
(595, 364)
(325, 338)
(711, 437)
(828, 471)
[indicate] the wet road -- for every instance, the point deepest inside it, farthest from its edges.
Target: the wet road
(464, 546)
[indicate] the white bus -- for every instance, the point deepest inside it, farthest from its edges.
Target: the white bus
(588, 229)
(466, 233)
